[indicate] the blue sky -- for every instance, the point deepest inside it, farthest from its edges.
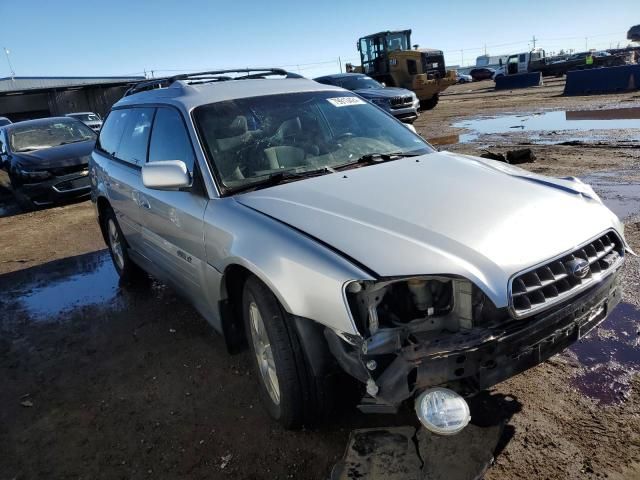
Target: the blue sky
(117, 37)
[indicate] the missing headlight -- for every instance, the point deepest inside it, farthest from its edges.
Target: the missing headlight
(417, 304)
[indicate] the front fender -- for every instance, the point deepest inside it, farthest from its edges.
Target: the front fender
(307, 277)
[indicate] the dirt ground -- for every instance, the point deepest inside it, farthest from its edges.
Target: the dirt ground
(103, 381)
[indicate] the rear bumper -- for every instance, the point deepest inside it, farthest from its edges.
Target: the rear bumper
(57, 189)
(469, 361)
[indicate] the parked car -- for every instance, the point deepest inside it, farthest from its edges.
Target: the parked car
(463, 78)
(399, 102)
(90, 119)
(47, 159)
(482, 73)
(4, 121)
(308, 224)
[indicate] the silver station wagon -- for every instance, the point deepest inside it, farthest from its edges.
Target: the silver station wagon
(315, 229)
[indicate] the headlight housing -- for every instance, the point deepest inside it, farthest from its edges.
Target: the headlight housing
(416, 304)
(33, 175)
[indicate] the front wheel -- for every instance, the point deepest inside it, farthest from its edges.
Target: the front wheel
(288, 389)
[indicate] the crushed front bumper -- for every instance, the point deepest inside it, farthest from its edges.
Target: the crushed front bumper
(472, 360)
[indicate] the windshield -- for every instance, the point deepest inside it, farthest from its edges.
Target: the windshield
(46, 135)
(357, 82)
(85, 117)
(251, 138)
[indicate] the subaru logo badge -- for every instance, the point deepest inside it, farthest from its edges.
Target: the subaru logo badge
(578, 268)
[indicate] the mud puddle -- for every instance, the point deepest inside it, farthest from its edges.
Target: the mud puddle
(556, 123)
(97, 285)
(619, 189)
(46, 292)
(54, 291)
(610, 355)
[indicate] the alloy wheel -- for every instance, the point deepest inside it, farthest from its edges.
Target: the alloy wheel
(115, 244)
(264, 353)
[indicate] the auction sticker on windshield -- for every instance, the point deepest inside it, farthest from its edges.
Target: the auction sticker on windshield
(345, 101)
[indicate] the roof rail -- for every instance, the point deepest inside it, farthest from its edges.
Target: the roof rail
(207, 77)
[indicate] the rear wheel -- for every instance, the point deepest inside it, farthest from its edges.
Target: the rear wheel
(127, 270)
(430, 103)
(288, 389)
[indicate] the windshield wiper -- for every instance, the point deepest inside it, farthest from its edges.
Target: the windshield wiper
(371, 158)
(277, 178)
(74, 141)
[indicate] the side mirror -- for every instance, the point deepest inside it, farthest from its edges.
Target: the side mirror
(167, 175)
(383, 84)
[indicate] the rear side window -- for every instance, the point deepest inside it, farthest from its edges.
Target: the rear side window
(169, 138)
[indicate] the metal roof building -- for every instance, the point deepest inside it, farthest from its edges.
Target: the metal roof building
(23, 98)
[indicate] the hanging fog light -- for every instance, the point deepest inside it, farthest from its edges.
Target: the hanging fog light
(442, 411)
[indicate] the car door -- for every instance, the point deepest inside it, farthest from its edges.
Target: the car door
(123, 142)
(523, 63)
(173, 220)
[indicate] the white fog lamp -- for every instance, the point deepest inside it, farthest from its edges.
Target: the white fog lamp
(442, 411)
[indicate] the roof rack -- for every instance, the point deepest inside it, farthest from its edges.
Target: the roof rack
(208, 77)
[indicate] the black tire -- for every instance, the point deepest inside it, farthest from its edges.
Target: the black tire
(430, 103)
(301, 399)
(128, 271)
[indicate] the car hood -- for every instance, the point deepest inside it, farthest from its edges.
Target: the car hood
(56, 157)
(441, 213)
(387, 92)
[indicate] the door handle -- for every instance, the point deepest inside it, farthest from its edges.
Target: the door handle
(144, 203)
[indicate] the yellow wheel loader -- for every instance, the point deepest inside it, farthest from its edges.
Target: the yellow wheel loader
(389, 58)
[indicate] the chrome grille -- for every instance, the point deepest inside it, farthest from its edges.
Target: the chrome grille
(561, 278)
(406, 100)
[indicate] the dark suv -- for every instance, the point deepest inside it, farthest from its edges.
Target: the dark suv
(399, 102)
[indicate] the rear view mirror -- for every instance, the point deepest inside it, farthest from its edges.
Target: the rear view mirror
(166, 175)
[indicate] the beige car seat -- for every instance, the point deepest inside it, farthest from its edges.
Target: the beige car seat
(284, 156)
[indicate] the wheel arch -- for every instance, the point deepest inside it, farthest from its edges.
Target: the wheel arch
(309, 332)
(102, 205)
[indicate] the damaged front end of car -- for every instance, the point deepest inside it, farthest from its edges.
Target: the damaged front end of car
(443, 331)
